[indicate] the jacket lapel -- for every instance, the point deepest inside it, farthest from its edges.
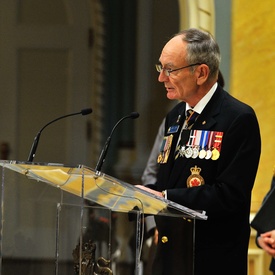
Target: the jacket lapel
(206, 121)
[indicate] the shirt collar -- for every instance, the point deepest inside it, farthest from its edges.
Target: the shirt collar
(203, 102)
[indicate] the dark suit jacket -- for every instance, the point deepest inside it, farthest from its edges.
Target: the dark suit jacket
(221, 241)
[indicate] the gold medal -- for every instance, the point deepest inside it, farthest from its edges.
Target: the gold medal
(217, 145)
(215, 154)
(195, 179)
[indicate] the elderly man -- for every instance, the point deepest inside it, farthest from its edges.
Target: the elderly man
(207, 161)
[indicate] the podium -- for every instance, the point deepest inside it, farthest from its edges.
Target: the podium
(47, 210)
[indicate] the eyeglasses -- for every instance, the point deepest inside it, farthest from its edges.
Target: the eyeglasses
(167, 72)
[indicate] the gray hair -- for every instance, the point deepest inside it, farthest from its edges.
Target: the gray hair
(202, 48)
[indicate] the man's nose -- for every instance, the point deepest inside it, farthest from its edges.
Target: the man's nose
(162, 76)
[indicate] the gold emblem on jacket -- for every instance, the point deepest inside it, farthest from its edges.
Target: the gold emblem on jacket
(195, 179)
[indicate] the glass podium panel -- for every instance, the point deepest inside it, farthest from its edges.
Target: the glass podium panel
(57, 219)
(101, 188)
(86, 247)
(28, 225)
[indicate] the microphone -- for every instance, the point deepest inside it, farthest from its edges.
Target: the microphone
(101, 159)
(83, 112)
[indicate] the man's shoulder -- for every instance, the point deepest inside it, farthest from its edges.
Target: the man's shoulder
(230, 102)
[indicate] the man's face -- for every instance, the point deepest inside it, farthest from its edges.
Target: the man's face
(181, 84)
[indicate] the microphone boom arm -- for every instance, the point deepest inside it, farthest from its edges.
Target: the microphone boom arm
(103, 153)
(37, 137)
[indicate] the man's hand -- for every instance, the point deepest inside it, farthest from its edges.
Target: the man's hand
(157, 193)
(267, 242)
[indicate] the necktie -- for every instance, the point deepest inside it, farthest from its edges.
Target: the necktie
(191, 117)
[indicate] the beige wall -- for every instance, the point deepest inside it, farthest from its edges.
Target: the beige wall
(253, 77)
(253, 81)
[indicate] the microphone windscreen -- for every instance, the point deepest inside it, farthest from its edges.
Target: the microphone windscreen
(87, 111)
(134, 115)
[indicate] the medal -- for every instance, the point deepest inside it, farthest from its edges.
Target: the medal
(195, 153)
(195, 179)
(202, 154)
(217, 145)
(215, 154)
(184, 140)
(197, 142)
(165, 149)
(188, 152)
(209, 145)
(161, 153)
(208, 154)
(203, 142)
(182, 151)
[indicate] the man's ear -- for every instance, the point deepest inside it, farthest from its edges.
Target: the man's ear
(202, 73)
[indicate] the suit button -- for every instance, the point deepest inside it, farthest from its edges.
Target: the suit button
(164, 239)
